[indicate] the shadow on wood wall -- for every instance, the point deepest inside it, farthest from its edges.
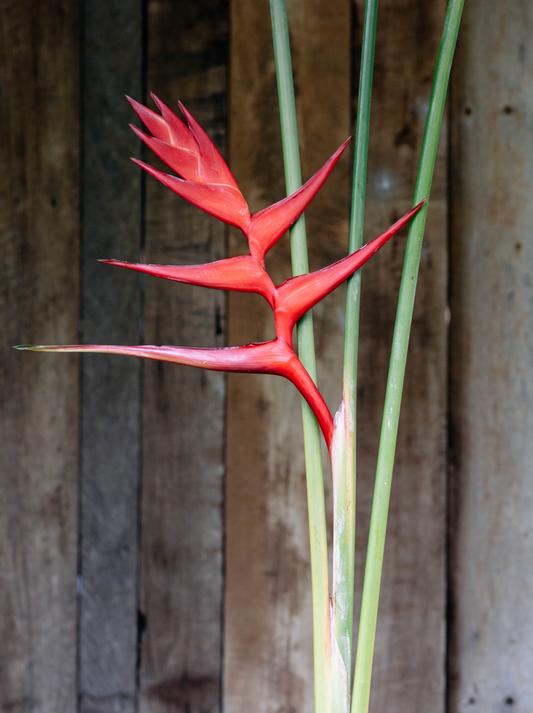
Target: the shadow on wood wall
(153, 538)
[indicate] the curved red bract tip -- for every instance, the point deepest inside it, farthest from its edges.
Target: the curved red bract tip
(274, 357)
(180, 133)
(267, 226)
(298, 295)
(222, 202)
(243, 273)
(184, 162)
(212, 164)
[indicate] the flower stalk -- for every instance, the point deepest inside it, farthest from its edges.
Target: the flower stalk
(344, 472)
(306, 349)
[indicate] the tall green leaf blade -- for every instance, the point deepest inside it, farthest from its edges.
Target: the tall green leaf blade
(306, 350)
(391, 412)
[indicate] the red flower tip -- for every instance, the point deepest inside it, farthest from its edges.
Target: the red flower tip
(274, 357)
(184, 162)
(180, 134)
(212, 164)
(154, 122)
(209, 184)
(243, 273)
(299, 294)
(189, 151)
(267, 226)
(223, 202)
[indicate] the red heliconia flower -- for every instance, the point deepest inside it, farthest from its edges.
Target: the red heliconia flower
(208, 183)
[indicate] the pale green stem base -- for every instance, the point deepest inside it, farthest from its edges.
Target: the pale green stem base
(306, 351)
(345, 480)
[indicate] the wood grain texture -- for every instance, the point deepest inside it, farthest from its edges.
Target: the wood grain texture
(183, 476)
(268, 618)
(268, 635)
(111, 386)
(39, 245)
(491, 655)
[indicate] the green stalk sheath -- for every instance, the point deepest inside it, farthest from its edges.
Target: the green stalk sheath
(345, 477)
(313, 460)
(389, 430)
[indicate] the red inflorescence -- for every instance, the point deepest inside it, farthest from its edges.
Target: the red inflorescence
(207, 183)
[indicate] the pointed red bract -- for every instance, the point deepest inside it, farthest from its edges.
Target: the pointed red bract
(268, 357)
(267, 226)
(222, 202)
(184, 162)
(243, 273)
(189, 151)
(167, 127)
(154, 122)
(298, 295)
(275, 357)
(213, 166)
(180, 133)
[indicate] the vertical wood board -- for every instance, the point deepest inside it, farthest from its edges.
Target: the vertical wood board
(39, 244)
(111, 385)
(491, 656)
(183, 475)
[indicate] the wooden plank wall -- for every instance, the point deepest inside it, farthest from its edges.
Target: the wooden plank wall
(183, 471)
(39, 288)
(110, 414)
(173, 496)
(492, 361)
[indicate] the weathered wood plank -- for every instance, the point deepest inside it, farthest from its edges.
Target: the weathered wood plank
(39, 244)
(268, 641)
(268, 635)
(410, 644)
(183, 476)
(111, 386)
(491, 656)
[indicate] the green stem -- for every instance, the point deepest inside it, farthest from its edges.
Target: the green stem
(391, 412)
(345, 483)
(313, 460)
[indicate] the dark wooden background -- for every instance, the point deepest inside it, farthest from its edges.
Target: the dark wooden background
(153, 529)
